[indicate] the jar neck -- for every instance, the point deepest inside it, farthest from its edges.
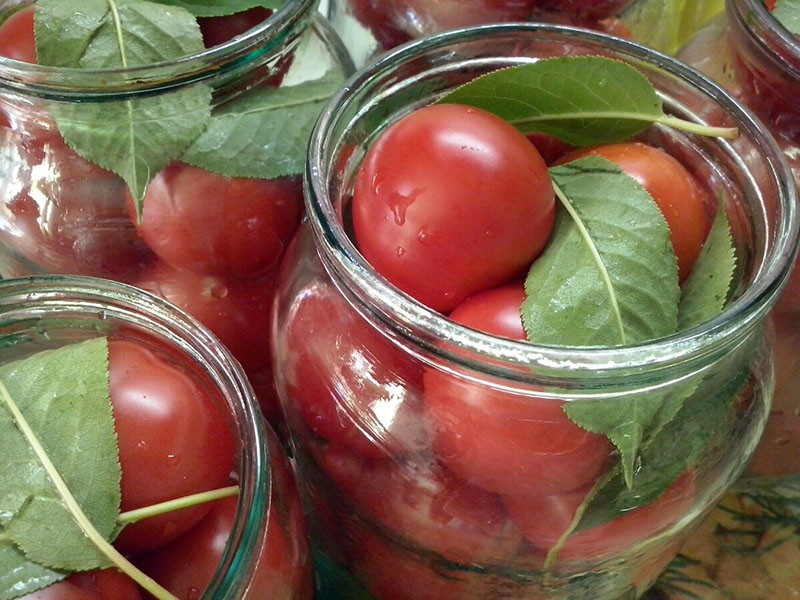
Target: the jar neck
(262, 45)
(770, 57)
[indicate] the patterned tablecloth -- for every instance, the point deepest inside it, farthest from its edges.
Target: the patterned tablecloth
(747, 549)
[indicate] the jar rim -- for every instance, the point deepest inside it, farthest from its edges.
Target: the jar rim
(282, 27)
(53, 294)
(408, 318)
(764, 31)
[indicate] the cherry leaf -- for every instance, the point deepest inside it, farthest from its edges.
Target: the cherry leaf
(263, 133)
(581, 100)
(609, 275)
(787, 12)
(709, 286)
(134, 138)
(63, 397)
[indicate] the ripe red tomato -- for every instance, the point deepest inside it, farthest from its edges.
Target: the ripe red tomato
(682, 201)
(349, 384)
(422, 17)
(451, 200)
(236, 311)
(63, 214)
(106, 584)
(218, 30)
(507, 442)
(198, 220)
(281, 567)
(423, 505)
(16, 36)
(174, 440)
(543, 519)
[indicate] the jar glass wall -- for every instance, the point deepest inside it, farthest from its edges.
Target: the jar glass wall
(180, 172)
(411, 431)
(266, 552)
(756, 58)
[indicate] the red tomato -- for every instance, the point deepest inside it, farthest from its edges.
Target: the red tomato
(506, 442)
(16, 36)
(173, 441)
(451, 200)
(218, 30)
(543, 519)
(422, 17)
(198, 220)
(373, 14)
(586, 10)
(550, 147)
(63, 214)
(236, 311)
(281, 567)
(348, 382)
(107, 584)
(423, 505)
(393, 572)
(682, 201)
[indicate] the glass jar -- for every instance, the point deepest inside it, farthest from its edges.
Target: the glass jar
(221, 194)
(370, 27)
(395, 510)
(266, 554)
(758, 60)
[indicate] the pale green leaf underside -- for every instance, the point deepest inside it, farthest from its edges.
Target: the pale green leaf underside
(133, 138)
(708, 288)
(263, 133)
(63, 395)
(218, 8)
(788, 13)
(581, 100)
(609, 275)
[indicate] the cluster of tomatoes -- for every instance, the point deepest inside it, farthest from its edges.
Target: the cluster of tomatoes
(208, 243)
(452, 205)
(175, 440)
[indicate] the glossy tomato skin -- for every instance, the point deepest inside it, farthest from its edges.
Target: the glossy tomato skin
(506, 442)
(421, 504)
(586, 10)
(106, 584)
(198, 220)
(543, 520)
(235, 310)
(349, 384)
(66, 215)
(451, 200)
(173, 441)
(683, 202)
(279, 567)
(16, 36)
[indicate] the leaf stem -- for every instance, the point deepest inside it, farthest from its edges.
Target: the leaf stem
(75, 509)
(161, 508)
(598, 259)
(728, 133)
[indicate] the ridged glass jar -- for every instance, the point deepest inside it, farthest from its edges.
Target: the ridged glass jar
(757, 59)
(218, 209)
(266, 554)
(393, 513)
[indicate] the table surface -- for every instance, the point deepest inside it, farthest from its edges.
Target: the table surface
(747, 549)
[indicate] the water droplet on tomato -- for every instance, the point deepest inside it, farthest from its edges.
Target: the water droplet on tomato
(400, 251)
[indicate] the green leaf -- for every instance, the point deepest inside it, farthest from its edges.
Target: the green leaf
(220, 8)
(263, 133)
(609, 275)
(667, 24)
(709, 286)
(63, 396)
(581, 100)
(788, 14)
(701, 430)
(133, 138)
